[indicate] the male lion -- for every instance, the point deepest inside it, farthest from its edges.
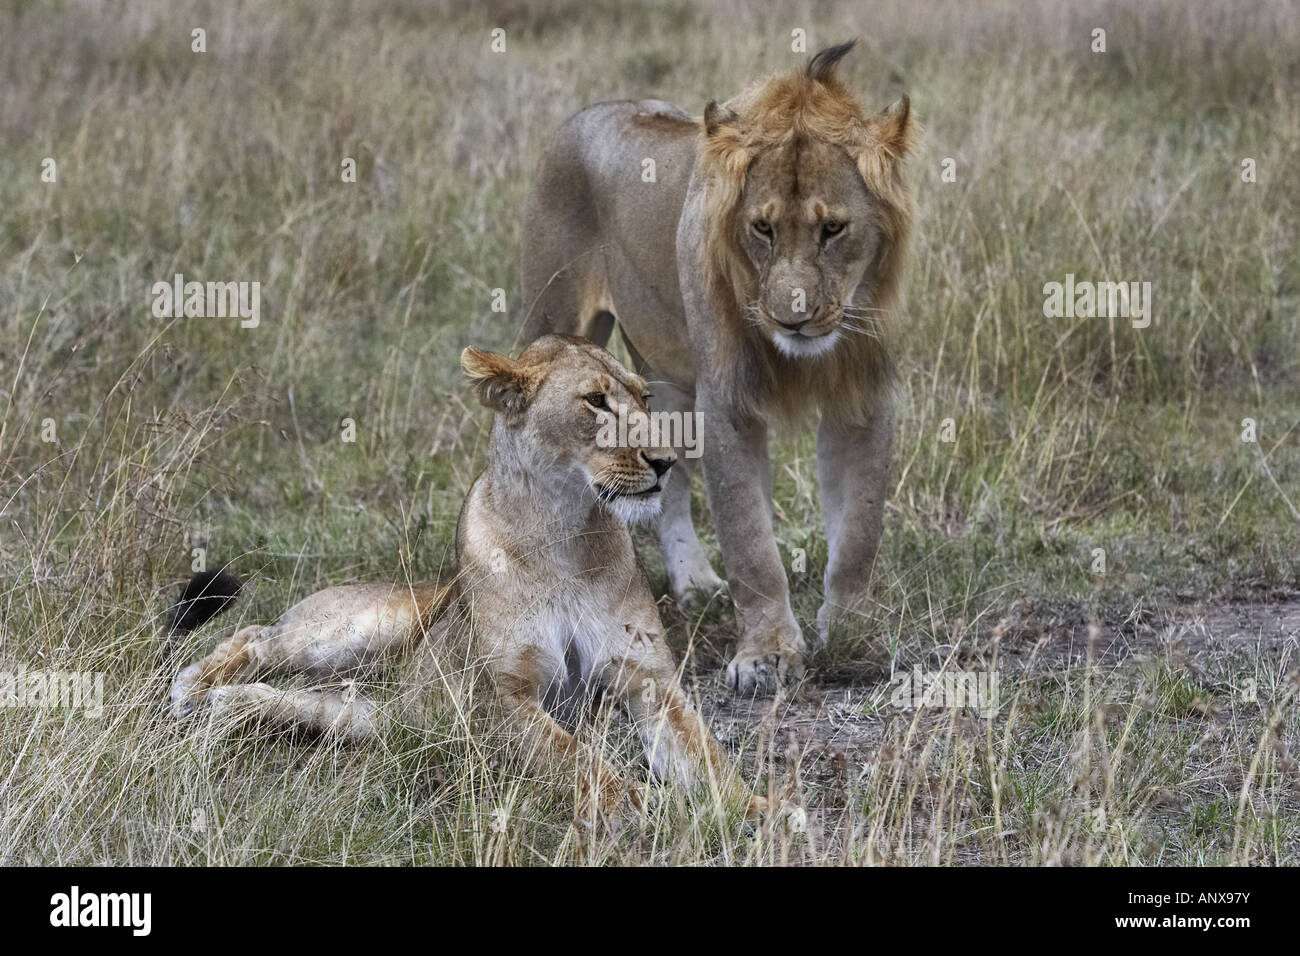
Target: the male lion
(557, 608)
(752, 276)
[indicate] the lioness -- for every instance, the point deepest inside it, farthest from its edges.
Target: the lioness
(751, 273)
(557, 607)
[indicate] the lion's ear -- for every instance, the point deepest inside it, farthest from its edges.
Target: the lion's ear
(716, 117)
(894, 128)
(503, 385)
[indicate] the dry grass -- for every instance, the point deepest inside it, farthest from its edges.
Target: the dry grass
(1137, 744)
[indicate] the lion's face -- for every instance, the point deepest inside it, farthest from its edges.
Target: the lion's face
(804, 212)
(562, 402)
(809, 227)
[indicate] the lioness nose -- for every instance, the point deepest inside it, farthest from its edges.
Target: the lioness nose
(660, 464)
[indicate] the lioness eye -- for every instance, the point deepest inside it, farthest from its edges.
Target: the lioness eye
(763, 228)
(831, 229)
(597, 401)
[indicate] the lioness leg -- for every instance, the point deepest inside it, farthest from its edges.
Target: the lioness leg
(690, 575)
(677, 742)
(771, 646)
(522, 682)
(853, 471)
(229, 662)
(334, 633)
(248, 653)
(345, 715)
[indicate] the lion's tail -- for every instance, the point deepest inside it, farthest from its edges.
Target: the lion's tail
(205, 596)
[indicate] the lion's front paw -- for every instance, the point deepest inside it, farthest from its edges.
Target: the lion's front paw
(611, 800)
(694, 585)
(841, 610)
(759, 672)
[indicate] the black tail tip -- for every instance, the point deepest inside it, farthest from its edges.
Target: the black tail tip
(206, 595)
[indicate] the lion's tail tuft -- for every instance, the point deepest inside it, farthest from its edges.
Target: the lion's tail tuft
(205, 596)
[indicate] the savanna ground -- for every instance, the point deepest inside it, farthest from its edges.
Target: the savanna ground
(1147, 714)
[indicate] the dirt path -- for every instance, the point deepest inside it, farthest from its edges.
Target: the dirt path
(837, 725)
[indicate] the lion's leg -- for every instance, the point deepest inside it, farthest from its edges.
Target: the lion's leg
(335, 633)
(249, 653)
(690, 575)
(522, 681)
(678, 743)
(771, 646)
(343, 715)
(230, 661)
(853, 470)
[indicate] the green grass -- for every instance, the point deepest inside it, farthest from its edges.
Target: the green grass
(1071, 435)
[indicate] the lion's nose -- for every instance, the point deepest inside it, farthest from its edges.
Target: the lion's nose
(660, 465)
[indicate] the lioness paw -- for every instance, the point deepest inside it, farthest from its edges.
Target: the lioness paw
(183, 697)
(610, 801)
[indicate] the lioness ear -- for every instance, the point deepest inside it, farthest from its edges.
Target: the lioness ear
(715, 117)
(894, 128)
(502, 384)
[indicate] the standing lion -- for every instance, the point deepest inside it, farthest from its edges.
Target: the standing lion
(750, 275)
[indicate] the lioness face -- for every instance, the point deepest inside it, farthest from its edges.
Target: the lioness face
(806, 221)
(589, 415)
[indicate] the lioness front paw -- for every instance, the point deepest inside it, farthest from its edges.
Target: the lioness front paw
(609, 801)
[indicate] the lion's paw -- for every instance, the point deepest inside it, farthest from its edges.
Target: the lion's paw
(184, 700)
(760, 673)
(611, 802)
(694, 586)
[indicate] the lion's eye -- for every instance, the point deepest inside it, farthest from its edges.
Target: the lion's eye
(763, 228)
(597, 401)
(831, 229)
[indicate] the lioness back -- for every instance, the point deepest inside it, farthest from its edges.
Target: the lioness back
(606, 198)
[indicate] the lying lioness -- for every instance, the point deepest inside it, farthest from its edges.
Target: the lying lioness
(557, 608)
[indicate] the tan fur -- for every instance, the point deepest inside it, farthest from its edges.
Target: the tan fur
(771, 116)
(555, 606)
(787, 195)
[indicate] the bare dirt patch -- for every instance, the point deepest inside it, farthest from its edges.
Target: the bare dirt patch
(834, 726)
